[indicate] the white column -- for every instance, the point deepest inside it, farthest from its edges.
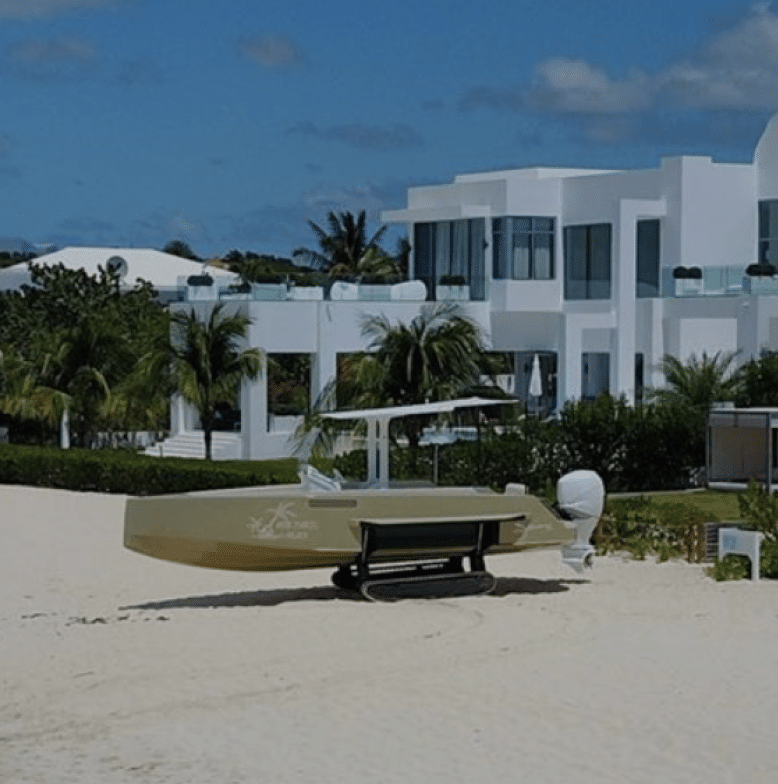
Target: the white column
(253, 415)
(570, 359)
(625, 287)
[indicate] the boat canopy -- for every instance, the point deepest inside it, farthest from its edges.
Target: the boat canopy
(378, 419)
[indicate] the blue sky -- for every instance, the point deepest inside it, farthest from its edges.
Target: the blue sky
(230, 123)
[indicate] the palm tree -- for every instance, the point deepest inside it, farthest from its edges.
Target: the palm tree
(71, 370)
(439, 355)
(699, 382)
(208, 366)
(344, 247)
(694, 386)
(26, 390)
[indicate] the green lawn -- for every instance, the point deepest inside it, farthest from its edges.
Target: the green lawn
(723, 505)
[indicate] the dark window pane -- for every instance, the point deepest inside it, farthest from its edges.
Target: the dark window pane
(768, 218)
(477, 227)
(520, 267)
(500, 256)
(442, 248)
(543, 256)
(543, 224)
(588, 262)
(460, 249)
(522, 224)
(576, 252)
(647, 258)
(424, 255)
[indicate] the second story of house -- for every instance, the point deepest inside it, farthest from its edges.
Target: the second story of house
(545, 238)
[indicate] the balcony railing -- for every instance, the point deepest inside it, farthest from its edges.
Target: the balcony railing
(720, 281)
(337, 291)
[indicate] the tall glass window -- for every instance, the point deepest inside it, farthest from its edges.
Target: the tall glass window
(595, 374)
(768, 232)
(639, 377)
(647, 253)
(447, 250)
(588, 261)
(523, 248)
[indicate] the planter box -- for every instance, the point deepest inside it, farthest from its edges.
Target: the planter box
(688, 287)
(375, 292)
(457, 293)
(306, 292)
(760, 285)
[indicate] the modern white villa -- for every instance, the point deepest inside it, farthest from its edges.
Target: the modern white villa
(597, 273)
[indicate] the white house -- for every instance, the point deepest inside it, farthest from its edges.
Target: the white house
(597, 273)
(603, 272)
(167, 273)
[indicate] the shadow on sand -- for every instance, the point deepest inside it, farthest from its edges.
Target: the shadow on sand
(505, 586)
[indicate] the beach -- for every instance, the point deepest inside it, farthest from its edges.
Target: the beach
(115, 667)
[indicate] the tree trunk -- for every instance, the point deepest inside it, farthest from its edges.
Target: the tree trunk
(207, 434)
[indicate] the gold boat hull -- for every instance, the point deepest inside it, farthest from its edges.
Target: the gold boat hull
(286, 527)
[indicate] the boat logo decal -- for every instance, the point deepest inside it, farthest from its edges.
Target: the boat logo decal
(281, 523)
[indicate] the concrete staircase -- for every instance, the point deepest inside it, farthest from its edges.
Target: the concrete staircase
(190, 443)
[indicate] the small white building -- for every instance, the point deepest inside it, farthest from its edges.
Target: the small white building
(167, 273)
(597, 273)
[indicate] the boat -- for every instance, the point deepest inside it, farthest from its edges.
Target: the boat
(387, 540)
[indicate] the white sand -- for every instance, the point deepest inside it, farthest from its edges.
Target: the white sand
(119, 668)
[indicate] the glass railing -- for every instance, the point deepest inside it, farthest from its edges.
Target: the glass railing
(720, 281)
(337, 291)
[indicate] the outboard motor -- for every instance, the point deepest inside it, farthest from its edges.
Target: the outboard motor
(580, 496)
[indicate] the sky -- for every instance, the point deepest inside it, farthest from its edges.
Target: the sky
(232, 123)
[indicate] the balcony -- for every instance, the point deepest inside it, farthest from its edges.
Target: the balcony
(334, 291)
(720, 281)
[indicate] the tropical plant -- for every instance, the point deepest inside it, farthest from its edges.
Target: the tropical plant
(439, 355)
(181, 249)
(759, 381)
(71, 342)
(345, 249)
(695, 385)
(699, 382)
(208, 365)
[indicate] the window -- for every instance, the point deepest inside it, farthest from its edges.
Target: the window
(647, 254)
(588, 261)
(544, 404)
(595, 374)
(523, 248)
(768, 232)
(447, 249)
(639, 378)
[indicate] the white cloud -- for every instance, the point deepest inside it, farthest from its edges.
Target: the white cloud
(39, 9)
(736, 69)
(379, 138)
(272, 51)
(161, 226)
(576, 86)
(52, 58)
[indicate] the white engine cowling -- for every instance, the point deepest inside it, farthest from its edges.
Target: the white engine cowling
(580, 496)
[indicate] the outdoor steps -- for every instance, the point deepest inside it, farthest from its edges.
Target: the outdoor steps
(224, 446)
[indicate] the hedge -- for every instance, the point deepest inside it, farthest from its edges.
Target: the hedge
(121, 471)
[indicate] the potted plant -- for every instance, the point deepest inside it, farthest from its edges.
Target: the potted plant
(688, 281)
(760, 278)
(761, 270)
(453, 287)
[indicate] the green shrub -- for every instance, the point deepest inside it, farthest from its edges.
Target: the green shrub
(644, 448)
(641, 527)
(768, 566)
(760, 510)
(730, 567)
(120, 471)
